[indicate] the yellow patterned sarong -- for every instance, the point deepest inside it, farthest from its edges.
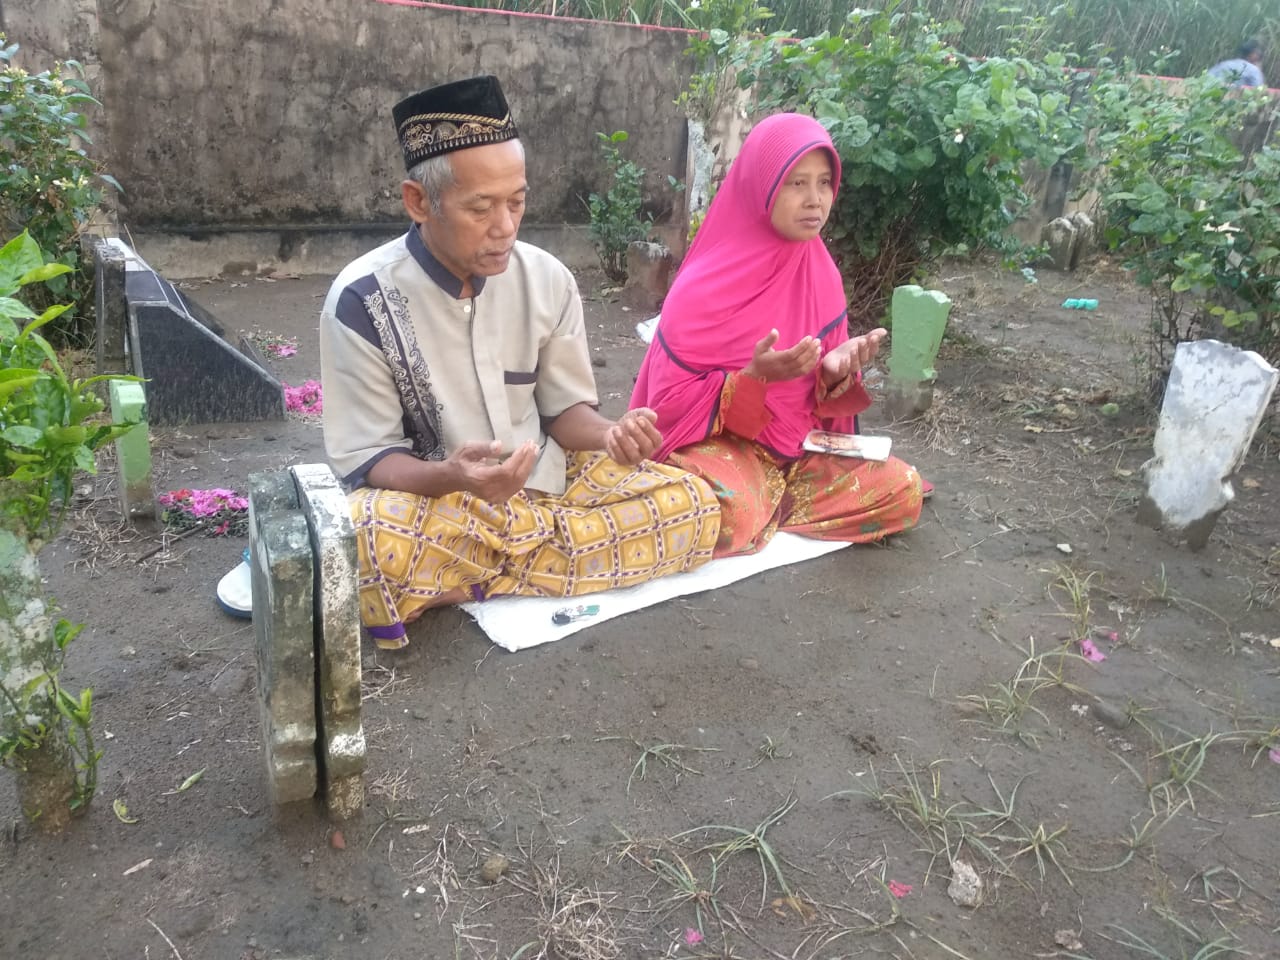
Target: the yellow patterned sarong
(614, 526)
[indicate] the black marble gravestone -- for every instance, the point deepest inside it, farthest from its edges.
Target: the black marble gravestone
(193, 373)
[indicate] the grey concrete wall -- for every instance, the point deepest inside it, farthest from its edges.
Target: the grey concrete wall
(49, 30)
(279, 111)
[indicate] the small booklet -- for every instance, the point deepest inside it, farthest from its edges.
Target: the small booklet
(848, 444)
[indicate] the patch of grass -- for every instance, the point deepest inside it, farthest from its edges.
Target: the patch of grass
(667, 754)
(685, 889)
(1162, 591)
(1189, 939)
(571, 922)
(1008, 704)
(1043, 844)
(1261, 740)
(918, 805)
(1220, 888)
(1184, 764)
(742, 840)
(1071, 593)
(1139, 838)
(768, 750)
(1179, 767)
(948, 827)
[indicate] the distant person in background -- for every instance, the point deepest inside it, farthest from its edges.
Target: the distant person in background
(1243, 71)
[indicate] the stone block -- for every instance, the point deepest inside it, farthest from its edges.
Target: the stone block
(648, 274)
(1216, 396)
(919, 321)
(283, 576)
(133, 451)
(337, 637)
(111, 308)
(1086, 237)
(1059, 235)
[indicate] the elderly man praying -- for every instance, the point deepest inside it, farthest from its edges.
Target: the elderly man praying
(460, 407)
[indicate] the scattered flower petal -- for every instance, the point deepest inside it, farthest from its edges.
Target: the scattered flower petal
(307, 399)
(1091, 652)
(276, 345)
(899, 890)
(1274, 754)
(219, 510)
(692, 937)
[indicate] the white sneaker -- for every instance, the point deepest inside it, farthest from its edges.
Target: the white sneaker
(235, 590)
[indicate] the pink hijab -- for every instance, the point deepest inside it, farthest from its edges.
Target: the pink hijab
(740, 280)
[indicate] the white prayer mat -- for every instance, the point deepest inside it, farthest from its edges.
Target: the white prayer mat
(516, 623)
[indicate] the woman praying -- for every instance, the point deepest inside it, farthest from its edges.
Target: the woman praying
(753, 352)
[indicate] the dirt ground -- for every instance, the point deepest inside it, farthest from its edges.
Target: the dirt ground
(785, 768)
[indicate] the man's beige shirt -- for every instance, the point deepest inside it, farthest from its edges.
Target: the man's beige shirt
(408, 366)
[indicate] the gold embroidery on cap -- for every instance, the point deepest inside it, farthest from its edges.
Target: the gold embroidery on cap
(427, 130)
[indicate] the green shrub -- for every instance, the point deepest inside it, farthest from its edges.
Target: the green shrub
(1197, 222)
(48, 184)
(933, 143)
(617, 216)
(49, 430)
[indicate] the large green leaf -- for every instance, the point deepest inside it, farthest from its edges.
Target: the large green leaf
(52, 313)
(12, 385)
(21, 435)
(42, 273)
(18, 257)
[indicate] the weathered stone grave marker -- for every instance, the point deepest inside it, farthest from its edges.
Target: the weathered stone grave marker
(919, 320)
(307, 620)
(283, 574)
(148, 327)
(337, 637)
(1216, 396)
(648, 274)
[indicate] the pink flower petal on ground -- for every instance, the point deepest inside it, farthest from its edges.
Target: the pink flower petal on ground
(899, 890)
(1091, 652)
(1274, 754)
(306, 399)
(692, 937)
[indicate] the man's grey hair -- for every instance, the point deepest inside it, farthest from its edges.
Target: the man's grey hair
(436, 176)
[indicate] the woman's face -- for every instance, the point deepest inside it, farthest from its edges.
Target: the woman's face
(804, 197)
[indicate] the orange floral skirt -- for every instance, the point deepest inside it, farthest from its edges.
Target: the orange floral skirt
(820, 495)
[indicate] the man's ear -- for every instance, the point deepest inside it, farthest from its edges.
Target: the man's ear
(416, 202)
